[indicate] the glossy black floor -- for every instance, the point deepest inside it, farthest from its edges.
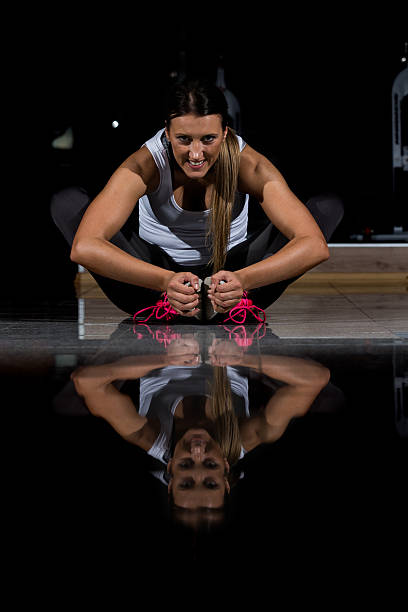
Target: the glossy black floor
(326, 421)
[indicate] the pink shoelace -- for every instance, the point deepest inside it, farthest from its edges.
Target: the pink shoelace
(241, 337)
(161, 310)
(167, 335)
(238, 313)
(162, 336)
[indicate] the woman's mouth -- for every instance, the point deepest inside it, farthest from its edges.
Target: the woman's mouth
(196, 165)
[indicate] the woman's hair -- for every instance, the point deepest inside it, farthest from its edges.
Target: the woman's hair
(202, 98)
(226, 433)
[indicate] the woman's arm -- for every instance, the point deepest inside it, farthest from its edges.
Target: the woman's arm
(105, 216)
(94, 383)
(307, 246)
(304, 379)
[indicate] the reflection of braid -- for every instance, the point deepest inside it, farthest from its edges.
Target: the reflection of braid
(223, 414)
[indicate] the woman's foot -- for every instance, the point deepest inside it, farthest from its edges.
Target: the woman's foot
(161, 311)
(244, 312)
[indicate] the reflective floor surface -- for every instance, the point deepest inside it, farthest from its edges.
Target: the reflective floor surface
(202, 444)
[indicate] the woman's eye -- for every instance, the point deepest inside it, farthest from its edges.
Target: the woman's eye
(211, 464)
(187, 139)
(186, 484)
(211, 484)
(185, 464)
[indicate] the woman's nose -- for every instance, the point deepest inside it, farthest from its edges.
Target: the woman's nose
(195, 150)
(197, 449)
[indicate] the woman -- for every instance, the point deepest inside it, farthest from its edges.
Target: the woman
(193, 415)
(192, 181)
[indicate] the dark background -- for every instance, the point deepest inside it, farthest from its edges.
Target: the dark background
(314, 90)
(315, 94)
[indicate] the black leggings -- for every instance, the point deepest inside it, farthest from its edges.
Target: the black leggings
(69, 205)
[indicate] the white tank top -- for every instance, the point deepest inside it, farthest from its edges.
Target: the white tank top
(182, 233)
(161, 391)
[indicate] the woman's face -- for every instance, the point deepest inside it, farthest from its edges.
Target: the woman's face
(198, 470)
(196, 142)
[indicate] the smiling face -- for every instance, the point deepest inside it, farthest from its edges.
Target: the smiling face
(199, 472)
(196, 142)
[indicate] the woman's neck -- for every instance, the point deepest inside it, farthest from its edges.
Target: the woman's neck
(180, 179)
(193, 409)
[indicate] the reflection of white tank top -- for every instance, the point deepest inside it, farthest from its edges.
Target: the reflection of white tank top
(182, 233)
(161, 391)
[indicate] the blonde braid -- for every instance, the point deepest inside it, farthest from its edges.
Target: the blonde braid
(227, 432)
(226, 182)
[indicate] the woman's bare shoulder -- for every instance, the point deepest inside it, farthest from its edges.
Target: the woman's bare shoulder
(255, 170)
(141, 162)
(252, 160)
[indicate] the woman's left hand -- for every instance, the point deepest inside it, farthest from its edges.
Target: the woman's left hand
(184, 351)
(223, 352)
(226, 295)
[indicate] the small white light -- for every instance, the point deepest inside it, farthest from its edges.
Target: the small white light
(115, 124)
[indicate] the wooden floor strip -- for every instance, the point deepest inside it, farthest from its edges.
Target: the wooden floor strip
(324, 283)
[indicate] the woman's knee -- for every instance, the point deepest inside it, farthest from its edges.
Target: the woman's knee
(329, 204)
(327, 210)
(66, 203)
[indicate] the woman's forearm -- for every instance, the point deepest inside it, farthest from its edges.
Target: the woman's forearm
(295, 258)
(290, 370)
(104, 258)
(90, 377)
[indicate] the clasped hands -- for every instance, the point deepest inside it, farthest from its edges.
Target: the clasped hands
(186, 300)
(186, 351)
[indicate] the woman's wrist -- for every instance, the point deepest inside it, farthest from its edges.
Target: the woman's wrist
(242, 277)
(166, 277)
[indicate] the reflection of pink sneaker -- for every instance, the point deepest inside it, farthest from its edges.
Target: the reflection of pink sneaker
(242, 338)
(161, 310)
(163, 335)
(238, 313)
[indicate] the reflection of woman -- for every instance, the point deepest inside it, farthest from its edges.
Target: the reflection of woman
(199, 430)
(189, 186)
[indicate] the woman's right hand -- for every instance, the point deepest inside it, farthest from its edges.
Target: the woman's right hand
(182, 297)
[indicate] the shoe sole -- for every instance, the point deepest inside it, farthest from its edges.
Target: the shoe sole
(210, 313)
(207, 312)
(199, 315)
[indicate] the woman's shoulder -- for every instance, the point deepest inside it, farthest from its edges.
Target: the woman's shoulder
(255, 170)
(146, 437)
(142, 162)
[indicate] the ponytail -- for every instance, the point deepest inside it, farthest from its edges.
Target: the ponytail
(226, 182)
(227, 433)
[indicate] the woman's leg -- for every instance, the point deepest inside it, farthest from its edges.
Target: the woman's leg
(67, 209)
(327, 210)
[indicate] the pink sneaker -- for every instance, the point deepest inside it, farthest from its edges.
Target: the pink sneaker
(161, 310)
(238, 313)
